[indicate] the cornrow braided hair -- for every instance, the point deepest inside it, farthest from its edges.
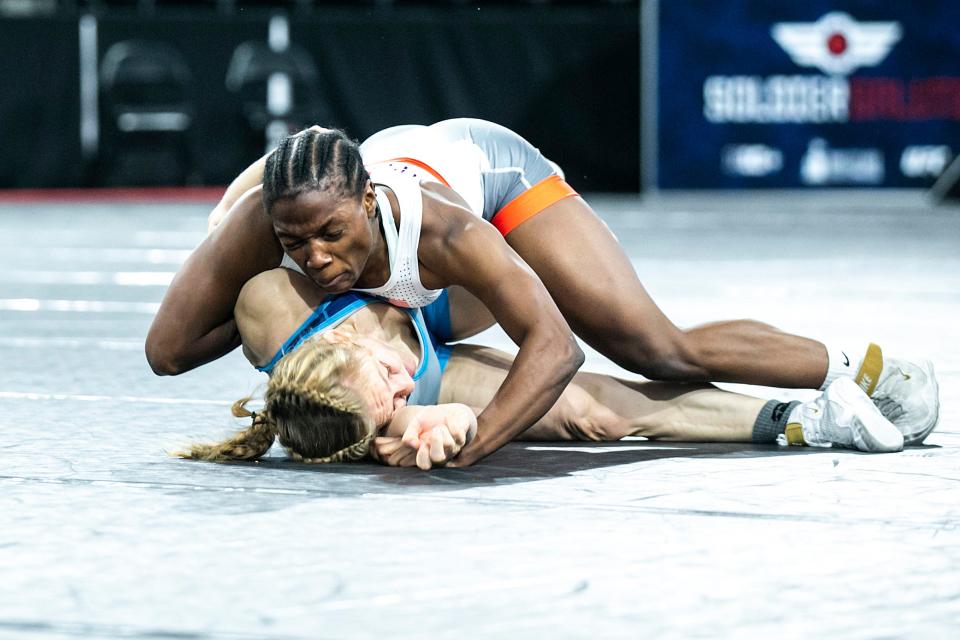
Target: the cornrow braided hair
(314, 160)
(310, 409)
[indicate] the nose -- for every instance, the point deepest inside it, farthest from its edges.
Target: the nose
(317, 256)
(404, 384)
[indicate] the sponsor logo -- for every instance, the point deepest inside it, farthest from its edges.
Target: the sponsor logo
(905, 100)
(846, 360)
(751, 160)
(776, 99)
(822, 165)
(836, 43)
(778, 411)
(924, 161)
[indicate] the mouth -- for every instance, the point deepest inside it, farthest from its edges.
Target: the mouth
(339, 284)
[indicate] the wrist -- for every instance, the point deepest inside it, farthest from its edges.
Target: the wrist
(470, 454)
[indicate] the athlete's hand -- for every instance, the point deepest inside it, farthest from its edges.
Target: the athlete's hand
(426, 436)
(390, 450)
(438, 433)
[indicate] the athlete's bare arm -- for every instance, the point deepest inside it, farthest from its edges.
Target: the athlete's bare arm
(468, 316)
(458, 248)
(249, 178)
(195, 322)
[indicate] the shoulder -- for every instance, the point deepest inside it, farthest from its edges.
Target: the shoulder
(456, 245)
(445, 213)
(271, 305)
(274, 285)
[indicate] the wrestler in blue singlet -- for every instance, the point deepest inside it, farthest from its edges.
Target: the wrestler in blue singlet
(432, 324)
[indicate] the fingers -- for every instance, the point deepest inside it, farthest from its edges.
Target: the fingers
(411, 435)
(384, 446)
(426, 450)
(437, 449)
(458, 432)
(463, 426)
(423, 457)
(443, 447)
(393, 452)
(404, 457)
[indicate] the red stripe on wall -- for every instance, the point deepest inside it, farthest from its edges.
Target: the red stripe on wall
(124, 194)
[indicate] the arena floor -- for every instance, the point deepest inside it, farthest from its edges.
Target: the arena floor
(103, 535)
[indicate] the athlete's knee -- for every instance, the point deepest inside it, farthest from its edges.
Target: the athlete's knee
(584, 418)
(671, 358)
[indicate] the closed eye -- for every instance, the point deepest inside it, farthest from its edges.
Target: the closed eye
(290, 243)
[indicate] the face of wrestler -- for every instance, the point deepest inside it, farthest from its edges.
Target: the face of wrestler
(383, 379)
(330, 237)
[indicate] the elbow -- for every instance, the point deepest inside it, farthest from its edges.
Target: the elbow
(163, 362)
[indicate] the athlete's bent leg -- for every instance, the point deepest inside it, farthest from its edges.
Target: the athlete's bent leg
(602, 298)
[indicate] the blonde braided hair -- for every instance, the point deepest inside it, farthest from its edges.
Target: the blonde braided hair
(249, 444)
(315, 414)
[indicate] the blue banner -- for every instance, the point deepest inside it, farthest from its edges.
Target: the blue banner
(754, 93)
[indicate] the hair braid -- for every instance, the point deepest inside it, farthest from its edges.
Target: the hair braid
(314, 160)
(249, 444)
(309, 407)
(300, 173)
(353, 452)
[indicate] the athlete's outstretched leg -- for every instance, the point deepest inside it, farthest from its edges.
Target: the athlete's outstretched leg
(601, 408)
(596, 288)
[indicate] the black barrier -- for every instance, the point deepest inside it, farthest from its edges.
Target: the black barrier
(565, 78)
(39, 103)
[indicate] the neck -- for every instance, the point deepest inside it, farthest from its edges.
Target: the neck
(389, 324)
(377, 270)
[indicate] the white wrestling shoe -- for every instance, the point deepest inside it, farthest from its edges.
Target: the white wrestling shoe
(905, 392)
(843, 416)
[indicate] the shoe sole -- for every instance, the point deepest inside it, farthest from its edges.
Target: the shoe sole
(932, 399)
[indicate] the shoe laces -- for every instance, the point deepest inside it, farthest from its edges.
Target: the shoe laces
(890, 408)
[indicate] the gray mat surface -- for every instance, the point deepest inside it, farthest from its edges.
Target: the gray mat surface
(103, 535)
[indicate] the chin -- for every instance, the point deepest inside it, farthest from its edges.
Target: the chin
(339, 285)
(335, 291)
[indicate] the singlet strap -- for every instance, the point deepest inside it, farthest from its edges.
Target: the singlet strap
(403, 287)
(416, 317)
(323, 317)
(390, 234)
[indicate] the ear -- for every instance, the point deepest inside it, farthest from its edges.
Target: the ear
(334, 336)
(369, 200)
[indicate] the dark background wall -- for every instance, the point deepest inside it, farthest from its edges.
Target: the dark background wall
(567, 78)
